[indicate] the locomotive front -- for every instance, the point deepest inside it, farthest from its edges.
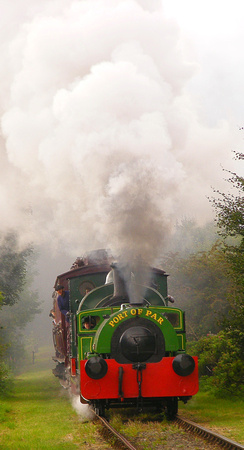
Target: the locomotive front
(132, 352)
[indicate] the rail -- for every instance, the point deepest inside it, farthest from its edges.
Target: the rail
(208, 434)
(188, 425)
(124, 443)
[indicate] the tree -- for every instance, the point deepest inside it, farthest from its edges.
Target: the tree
(210, 285)
(230, 207)
(189, 238)
(230, 219)
(200, 286)
(13, 264)
(223, 355)
(221, 364)
(19, 303)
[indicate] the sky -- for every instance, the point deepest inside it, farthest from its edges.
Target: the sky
(117, 118)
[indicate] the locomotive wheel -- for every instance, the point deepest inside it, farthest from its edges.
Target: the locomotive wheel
(171, 408)
(99, 409)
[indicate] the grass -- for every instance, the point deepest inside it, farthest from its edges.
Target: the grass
(221, 415)
(150, 430)
(225, 416)
(39, 414)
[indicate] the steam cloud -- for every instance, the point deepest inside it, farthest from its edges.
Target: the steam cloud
(83, 410)
(101, 145)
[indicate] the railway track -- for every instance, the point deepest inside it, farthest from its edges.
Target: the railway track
(120, 439)
(187, 425)
(211, 436)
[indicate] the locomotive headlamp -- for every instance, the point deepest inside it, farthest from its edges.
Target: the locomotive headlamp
(96, 367)
(183, 365)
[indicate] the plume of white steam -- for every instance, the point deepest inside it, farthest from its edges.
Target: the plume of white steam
(100, 146)
(84, 411)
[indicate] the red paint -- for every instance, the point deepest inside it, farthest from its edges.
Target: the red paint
(73, 367)
(158, 380)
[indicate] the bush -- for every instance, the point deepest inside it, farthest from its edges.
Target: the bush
(221, 366)
(5, 379)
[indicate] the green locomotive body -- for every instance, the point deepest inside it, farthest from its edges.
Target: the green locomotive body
(126, 349)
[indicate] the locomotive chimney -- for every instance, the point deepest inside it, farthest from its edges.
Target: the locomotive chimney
(125, 287)
(120, 288)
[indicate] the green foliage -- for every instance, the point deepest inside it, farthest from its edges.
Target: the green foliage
(209, 285)
(230, 207)
(19, 305)
(23, 312)
(189, 238)
(15, 318)
(5, 379)
(230, 219)
(12, 268)
(221, 362)
(1, 299)
(201, 286)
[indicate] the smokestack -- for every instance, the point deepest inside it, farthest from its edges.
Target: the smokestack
(125, 287)
(120, 284)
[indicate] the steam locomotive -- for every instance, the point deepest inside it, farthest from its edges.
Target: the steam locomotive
(123, 345)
